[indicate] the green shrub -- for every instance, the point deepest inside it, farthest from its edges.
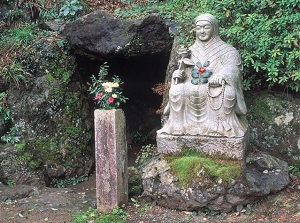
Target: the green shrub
(266, 33)
(117, 215)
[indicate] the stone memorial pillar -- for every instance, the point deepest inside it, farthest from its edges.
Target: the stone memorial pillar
(111, 159)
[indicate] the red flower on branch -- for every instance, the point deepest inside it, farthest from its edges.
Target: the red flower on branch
(111, 100)
(202, 69)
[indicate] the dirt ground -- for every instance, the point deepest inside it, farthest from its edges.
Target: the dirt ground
(59, 206)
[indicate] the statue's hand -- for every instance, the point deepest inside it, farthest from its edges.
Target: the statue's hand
(178, 74)
(216, 81)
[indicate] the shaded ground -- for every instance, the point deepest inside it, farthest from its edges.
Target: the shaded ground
(59, 205)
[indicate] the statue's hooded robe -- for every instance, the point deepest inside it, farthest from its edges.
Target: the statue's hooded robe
(199, 108)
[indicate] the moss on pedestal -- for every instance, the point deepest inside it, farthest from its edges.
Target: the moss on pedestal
(190, 165)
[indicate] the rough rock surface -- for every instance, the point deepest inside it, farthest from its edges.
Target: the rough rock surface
(102, 35)
(50, 121)
(14, 170)
(264, 174)
(274, 124)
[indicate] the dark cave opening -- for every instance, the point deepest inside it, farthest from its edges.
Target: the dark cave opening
(139, 74)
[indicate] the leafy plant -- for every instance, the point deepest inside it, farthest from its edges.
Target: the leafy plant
(245, 210)
(62, 183)
(138, 137)
(13, 136)
(24, 35)
(87, 216)
(294, 170)
(4, 110)
(14, 73)
(108, 94)
(117, 215)
(145, 154)
(70, 9)
(134, 181)
(12, 43)
(10, 183)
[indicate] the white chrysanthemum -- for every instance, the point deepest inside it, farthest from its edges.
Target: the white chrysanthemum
(114, 95)
(108, 89)
(115, 84)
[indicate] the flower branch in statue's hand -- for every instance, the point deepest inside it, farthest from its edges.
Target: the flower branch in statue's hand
(107, 94)
(178, 75)
(183, 52)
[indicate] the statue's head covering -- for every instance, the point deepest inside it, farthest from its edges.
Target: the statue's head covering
(211, 19)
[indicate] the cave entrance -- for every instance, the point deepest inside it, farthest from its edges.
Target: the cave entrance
(139, 74)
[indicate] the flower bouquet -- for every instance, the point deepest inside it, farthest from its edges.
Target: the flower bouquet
(107, 94)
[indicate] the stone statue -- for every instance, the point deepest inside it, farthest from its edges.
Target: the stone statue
(206, 96)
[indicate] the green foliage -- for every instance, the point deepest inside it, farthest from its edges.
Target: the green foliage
(12, 42)
(294, 170)
(50, 56)
(266, 33)
(145, 154)
(10, 183)
(65, 10)
(13, 136)
(62, 183)
(134, 182)
(23, 35)
(191, 165)
(117, 215)
(138, 137)
(108, 95)
(14, 73)
(70, 9)
(4, 110)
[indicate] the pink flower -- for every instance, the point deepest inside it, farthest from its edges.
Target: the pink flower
(98, 96)
(111, 100)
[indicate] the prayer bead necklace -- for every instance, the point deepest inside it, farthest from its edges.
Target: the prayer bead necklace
(209, 95)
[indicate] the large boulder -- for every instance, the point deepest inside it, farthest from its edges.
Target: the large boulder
(263, 175)
(102, 35)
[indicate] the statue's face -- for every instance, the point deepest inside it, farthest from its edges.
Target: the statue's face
(204, 30)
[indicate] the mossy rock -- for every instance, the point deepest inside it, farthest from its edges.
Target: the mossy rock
(191, 166)
(274, 124)
(52, 113)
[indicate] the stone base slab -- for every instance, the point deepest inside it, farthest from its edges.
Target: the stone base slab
(231, 148)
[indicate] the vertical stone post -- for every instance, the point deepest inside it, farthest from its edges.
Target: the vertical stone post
(111, 159)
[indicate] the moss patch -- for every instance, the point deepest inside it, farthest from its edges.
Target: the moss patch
(190, 165)
(264, 107)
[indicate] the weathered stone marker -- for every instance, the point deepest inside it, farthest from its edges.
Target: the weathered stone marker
(111, 159)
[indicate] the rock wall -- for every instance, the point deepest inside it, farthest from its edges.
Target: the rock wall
(52, 127)
(274, 120)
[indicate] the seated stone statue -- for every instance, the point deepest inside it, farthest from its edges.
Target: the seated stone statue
(206, 96)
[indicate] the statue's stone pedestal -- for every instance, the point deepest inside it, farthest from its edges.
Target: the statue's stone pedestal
(111, 159)
(263, 175)
(231, 148)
